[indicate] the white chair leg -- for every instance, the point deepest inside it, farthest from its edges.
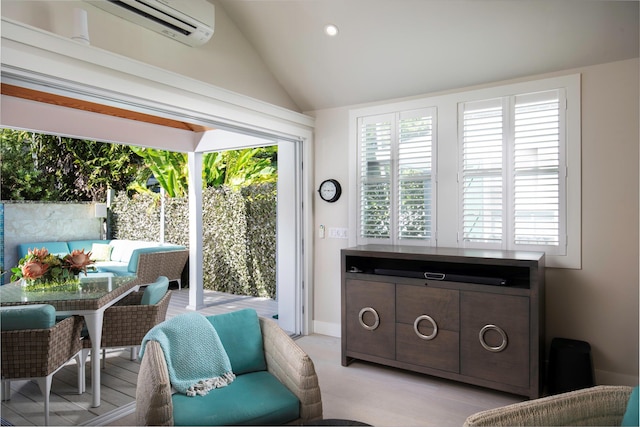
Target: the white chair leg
(45, 388)
(134, 353)
(179, 284)
(84, 353)
(5, 390)
(79, 361)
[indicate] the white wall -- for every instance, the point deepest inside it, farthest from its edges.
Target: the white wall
(227, 60)
(597, 304)
(32, 222)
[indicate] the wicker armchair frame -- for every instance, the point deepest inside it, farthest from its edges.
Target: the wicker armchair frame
(165, 263)
(285, 360)
(593, 406)
(39, 354)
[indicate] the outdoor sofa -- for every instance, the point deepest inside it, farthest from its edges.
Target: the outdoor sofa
(120, 257)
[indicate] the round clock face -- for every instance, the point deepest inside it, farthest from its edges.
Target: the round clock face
(330, 190)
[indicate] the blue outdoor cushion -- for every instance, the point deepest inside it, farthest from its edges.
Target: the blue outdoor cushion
(154, 292)
(87, 245)
(241, 337)
(632, 416)
(257, 398)
(55, 248)
(33, 316)
(116, 270)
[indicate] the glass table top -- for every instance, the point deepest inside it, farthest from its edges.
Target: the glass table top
(90, 293)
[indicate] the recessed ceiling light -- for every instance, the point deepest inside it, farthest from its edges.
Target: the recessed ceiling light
(331, 30)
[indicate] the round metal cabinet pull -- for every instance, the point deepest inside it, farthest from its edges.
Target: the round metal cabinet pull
(375, 315)
(433, 323)
(486, 346)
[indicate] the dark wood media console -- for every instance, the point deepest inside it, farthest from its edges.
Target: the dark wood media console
(475, 316)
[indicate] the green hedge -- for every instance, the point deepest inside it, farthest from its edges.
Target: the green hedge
(239, 234)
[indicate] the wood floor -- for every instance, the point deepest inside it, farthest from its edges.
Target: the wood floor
(219, 302)
(374, 394)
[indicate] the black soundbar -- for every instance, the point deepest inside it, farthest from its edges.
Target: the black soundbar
(481, 280)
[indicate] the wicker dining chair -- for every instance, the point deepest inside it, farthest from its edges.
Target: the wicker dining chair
(127, 322)
(34, 346)
(164, 263)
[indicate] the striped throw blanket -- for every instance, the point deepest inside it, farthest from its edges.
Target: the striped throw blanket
(196, 360)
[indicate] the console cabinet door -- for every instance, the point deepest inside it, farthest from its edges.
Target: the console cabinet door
(427, 327)
(501, 322)
(370, 318)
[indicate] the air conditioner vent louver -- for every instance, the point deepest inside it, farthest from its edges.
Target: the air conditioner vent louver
(188, 21)
(149, 16)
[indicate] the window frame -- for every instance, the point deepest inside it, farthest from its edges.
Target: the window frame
(395, 119)
(506, 108)
(446, 215)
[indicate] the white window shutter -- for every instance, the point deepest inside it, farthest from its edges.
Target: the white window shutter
(481, 177)
(537, 167)
(415, 175)
(375, 176)
(512, 161)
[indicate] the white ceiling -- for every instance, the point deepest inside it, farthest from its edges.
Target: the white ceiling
(394, 48)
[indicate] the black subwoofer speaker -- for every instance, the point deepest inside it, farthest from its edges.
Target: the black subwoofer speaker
(570, 366)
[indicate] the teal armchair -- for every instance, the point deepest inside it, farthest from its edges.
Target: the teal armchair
(275, 382)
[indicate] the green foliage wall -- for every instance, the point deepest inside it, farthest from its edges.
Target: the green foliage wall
(239, 233)
(136, 218)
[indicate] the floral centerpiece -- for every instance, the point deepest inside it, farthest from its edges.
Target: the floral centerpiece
(39, 268)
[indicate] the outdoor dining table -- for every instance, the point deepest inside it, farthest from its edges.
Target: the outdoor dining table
(90, 298)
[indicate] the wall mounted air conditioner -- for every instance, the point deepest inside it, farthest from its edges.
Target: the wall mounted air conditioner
(188, 21)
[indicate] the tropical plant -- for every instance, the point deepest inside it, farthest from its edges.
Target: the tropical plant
(20, 179)
(52, 168)
(168, 167)
(102, 166)
(240, 168)
(234, 169)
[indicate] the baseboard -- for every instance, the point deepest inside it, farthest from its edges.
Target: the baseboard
(327, 328)
(111, 416)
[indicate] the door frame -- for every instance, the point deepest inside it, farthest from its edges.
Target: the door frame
(85, 85)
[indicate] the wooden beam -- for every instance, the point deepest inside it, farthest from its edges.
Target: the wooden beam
(64, 101)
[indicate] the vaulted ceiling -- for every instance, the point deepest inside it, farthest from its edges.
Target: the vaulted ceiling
(395, 48)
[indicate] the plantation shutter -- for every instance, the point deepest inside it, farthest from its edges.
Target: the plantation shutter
(481, 177)
(513, 171)
(375, 176)
(415, 159)
(537, 180)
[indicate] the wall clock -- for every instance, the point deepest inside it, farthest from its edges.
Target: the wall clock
(330, 190)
